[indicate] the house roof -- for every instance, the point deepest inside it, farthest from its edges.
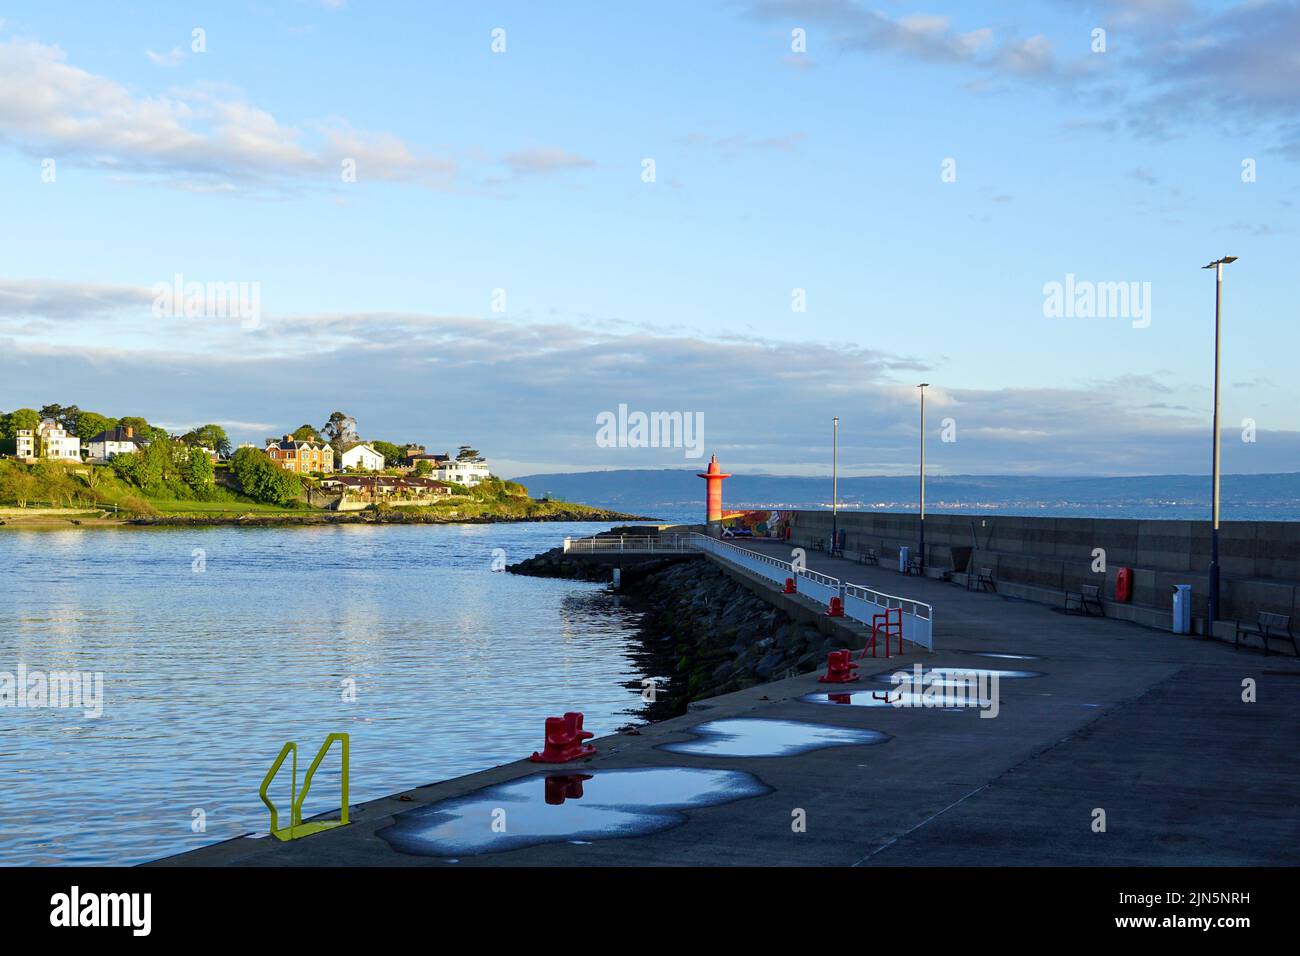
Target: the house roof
(118, 434)
(288, 442)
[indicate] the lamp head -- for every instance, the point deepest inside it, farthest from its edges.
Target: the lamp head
(1220, 262)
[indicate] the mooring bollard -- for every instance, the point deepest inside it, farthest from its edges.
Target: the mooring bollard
(836, 608)
(839, 668)
(789, 586)
(564, 740)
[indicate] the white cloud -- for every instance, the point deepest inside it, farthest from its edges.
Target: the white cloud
(174, 58)
(208, 139)
(530, 391)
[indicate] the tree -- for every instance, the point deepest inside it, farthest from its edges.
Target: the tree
(393, 454)
(27, 418)
(18, 484)
(138, 425)
(89, 424)
(467, 453)
(341, 429)
(306, 433)
(422, 467)
(209, 436)
(262, 479)
(199, 473)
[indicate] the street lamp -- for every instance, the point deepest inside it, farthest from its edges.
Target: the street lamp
(923, 386)
(835, 483)
(1213, 615)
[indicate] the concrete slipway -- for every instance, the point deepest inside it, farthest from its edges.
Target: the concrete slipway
(1148, 726)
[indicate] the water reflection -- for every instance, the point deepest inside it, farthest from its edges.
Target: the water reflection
(207, 674)
(551, 808)
(749, 737)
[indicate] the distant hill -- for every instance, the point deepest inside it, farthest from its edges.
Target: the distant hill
(672, 491)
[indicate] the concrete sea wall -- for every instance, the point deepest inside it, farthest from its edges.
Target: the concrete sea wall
(1033, 557)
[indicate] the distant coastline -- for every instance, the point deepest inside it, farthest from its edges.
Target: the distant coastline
(62, 519)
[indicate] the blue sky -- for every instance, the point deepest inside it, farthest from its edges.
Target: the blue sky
(775, 171)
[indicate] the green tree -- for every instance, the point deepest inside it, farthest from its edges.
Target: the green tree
(89, 424)
(341, 430)
(423, 467)
(306, 433)
(17, 484)
(209, 436)
(466, 453)
(262, 479)
(138, 425)
(394, 455)
(15, 420)
(199, 472)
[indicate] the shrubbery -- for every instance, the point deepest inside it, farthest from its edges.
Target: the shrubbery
(262, 479)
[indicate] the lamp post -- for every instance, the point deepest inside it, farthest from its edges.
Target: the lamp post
(923, 386)
(835, 483)
(1213, 615)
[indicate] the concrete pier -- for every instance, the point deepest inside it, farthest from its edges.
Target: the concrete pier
(1149, 727)
(1040, 558)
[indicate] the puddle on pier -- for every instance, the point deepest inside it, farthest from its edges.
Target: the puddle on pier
(890, 698)
(753, 737)
(948, 676)
(566, 807)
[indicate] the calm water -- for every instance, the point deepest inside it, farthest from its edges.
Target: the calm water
(207, 673)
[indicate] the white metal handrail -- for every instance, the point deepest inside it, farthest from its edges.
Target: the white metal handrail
(860, 601)
(872, 596)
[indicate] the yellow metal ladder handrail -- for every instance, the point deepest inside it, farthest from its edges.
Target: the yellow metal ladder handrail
(296, 827)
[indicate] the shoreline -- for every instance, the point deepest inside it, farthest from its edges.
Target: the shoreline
(48, 519)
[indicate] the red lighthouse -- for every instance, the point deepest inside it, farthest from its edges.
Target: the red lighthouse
(714, 477)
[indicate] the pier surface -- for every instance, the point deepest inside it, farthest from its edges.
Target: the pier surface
(1147, 726)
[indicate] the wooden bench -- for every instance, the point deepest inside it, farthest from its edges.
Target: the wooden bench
(913, 566)
(982, 581)
(869, 556)
(1268, 625)
(1084, 600)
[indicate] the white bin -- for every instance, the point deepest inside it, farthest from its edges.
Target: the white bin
(903, 554)
(1182, 609)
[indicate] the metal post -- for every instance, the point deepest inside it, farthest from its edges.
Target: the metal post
(1214, 528)
(922, 387)
(1213, 612)
(835, 485)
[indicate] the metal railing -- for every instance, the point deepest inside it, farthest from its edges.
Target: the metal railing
(860, 601)
(629, 544)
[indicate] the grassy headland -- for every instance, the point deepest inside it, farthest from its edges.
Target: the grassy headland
(50, 494)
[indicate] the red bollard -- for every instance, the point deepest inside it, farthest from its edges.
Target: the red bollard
(839, 668)
(565, 786)
(564, 740)
(789, 586)
(836, 609)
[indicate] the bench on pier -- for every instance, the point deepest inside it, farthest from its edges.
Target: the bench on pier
(983, 581)
(1084, 600)
(869, 556)
(913, 566)
(1268, 626)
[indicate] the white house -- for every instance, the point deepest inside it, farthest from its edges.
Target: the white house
(467, 473)
(114, 441)
(362, 458)
(47, 440)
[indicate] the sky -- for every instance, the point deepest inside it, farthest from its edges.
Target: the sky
(491, 223)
